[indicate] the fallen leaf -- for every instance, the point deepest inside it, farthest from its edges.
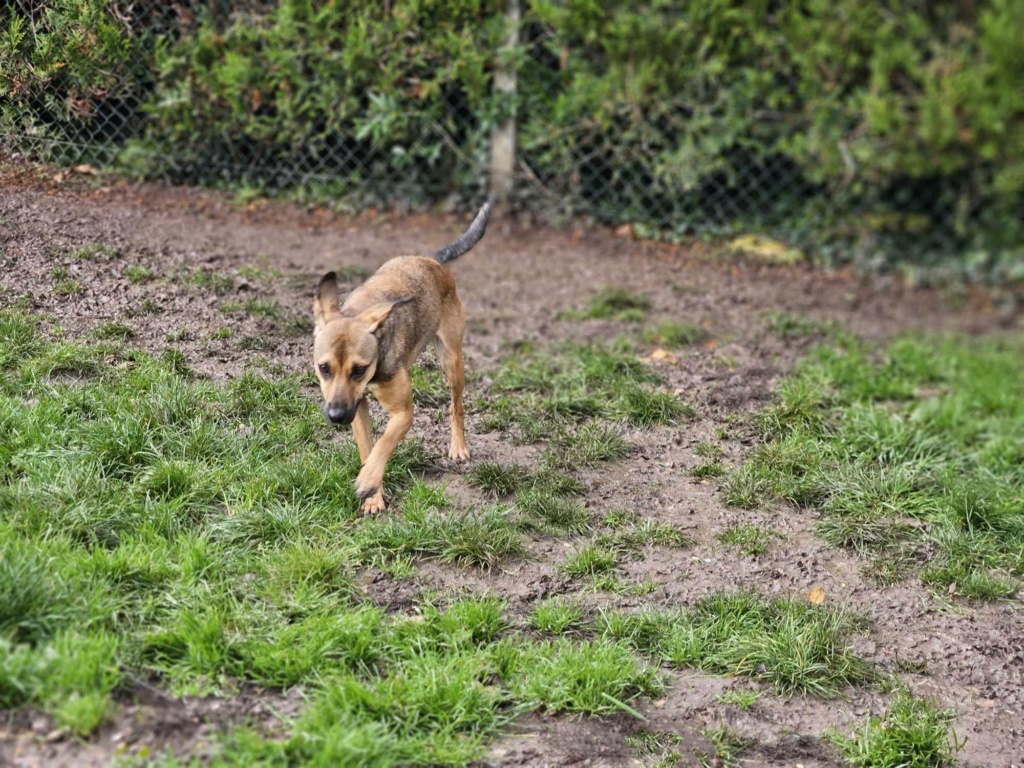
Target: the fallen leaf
(85, 168)
(626, 230)
(817, 596)
(765, 249)
(659, 354)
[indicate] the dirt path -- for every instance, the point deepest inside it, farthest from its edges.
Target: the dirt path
(515, 286)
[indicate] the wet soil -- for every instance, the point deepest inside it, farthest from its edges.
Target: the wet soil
(516, 284)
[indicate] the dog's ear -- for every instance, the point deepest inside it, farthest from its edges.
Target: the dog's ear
(325, 303)
(378, 313)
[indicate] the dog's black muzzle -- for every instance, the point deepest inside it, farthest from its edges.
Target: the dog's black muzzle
(339, 414)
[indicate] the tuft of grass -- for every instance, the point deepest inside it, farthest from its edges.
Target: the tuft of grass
(613, 303)
(790, 326)
(795, 646)
(672, 335)
(591, 560)
(136, 274)
(498, 479)
(656, 744)
(113, 331)
(67, 287)
(913, 733)
(428, 388)
(907, 453)
(207, 279)
(750, 540)
(739, 699)
(481, 537)
(587, 446)
(93, 251)
(710, 451)
(553, 510)
(596, 677)
(729, 745)
(708, 469)
(556, 616)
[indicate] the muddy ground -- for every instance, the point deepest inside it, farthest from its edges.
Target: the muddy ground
(515, 285)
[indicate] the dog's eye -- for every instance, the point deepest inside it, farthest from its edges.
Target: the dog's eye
(325, 370)
(358, 371)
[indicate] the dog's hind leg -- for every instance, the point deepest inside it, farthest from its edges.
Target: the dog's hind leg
(449, 336)
(396, 397)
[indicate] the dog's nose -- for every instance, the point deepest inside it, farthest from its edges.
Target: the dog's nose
(339, 415)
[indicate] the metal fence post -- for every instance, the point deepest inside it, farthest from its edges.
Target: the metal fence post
(503, 135)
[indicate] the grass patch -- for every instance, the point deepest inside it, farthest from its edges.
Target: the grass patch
(750, 540)
(672, 335)
(563, 396)
(913, 733)
(136, 274)
(206, 534)
(498, 479)
(556, 616)
(591, 560)
(912, 458)
(113, 331)
(612, 304)
(740, 699)
(591, 444)
(794, 646)
(707, 469)
(790, 327)
(67, 287)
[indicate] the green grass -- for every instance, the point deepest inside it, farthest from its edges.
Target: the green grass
(93, 251)
(750, 540)
(790, 326)
(113, 331)
(707, 469)
(912, 457)
(136, 274)
(67, 287)
(613, 304)
(913, 733)
(591, 560)
(672, 335)
(556, 616)
(739, 699)
(203, 535)
(498, 479)
(794, 646)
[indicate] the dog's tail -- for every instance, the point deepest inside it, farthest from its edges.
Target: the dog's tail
(469, 238)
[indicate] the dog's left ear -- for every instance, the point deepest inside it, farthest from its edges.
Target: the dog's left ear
(378, 313)
(325, 303)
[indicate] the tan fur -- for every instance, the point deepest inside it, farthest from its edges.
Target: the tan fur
(370, 342)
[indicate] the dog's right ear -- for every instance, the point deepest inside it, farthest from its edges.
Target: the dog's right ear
(325, 303)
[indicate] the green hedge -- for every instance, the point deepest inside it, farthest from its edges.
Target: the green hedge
(893, 127)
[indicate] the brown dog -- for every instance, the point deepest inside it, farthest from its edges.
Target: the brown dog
(372, 340)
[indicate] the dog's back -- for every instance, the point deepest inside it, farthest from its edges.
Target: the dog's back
(413, 324)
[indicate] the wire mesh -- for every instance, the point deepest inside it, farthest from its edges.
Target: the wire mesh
(193, 92)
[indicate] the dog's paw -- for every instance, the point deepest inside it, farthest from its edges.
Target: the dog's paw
(366, 485)
(374, 504)
(458, 452)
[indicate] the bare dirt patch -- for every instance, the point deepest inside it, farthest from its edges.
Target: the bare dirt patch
(230, 287)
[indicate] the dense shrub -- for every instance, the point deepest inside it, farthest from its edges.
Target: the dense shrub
(892, 126)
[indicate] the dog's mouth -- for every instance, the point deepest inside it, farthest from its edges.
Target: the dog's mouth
(338, 415)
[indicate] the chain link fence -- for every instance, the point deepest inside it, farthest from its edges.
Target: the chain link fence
(404, 104)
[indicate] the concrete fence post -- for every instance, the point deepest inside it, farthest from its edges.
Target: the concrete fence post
(503, 135)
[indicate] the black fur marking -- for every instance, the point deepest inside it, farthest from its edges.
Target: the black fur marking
(469, 238)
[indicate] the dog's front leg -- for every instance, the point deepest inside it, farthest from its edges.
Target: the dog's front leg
(362, 431)
(396, 397)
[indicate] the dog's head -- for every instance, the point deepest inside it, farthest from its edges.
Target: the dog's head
(345, 349)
